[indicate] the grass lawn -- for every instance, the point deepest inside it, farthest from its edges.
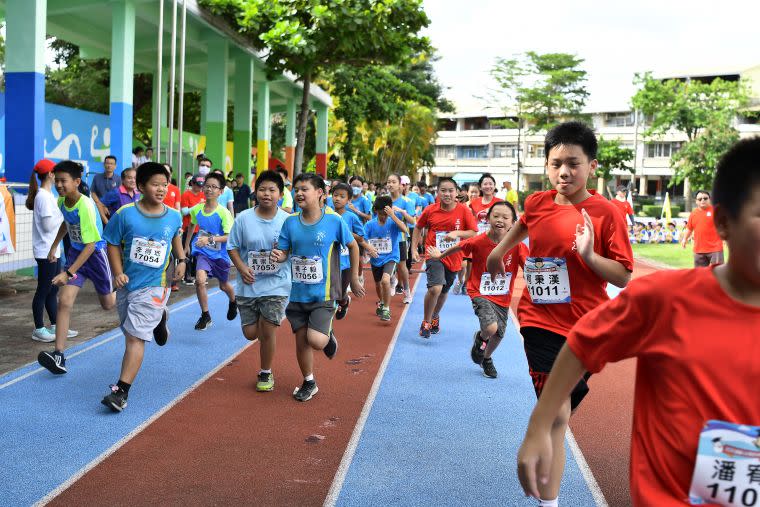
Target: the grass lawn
(671, 254)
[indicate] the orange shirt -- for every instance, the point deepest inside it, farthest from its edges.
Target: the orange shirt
(477, 248)
(697, 351)
(436, 219)
(551, 233)
(481, 210)
(189, 199)
(624, 207)
(706, 239)
(172, 196)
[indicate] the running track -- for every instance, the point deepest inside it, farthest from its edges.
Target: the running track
(196, 432)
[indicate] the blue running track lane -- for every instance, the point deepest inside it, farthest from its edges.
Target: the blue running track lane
(54, 428)
(439, 433)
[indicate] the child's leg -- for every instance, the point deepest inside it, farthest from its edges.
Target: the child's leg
(228, 289)
(345, 282)
(385, 289)
(492, 337)
(432, 296)
(403, 274)
(66, 297)
(379, 291)
(107, 301)
(439, 303)
(304, 354)
(133, 357)
(200, 289)
(251, 332)
(267, 340)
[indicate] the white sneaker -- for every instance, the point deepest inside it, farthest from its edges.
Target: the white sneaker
(71, 334)
(456, 288)
(407, 296)
(43, 335)
(394, 283)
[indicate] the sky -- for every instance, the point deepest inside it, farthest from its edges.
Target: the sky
(616, 38)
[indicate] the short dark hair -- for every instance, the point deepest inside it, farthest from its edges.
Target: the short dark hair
(187, 173)
(572, 132)
(217, 171)
(421, 184)
(268, 176)
(149, 169)
(381, 202)
(737, 175)
(73, 169)
(205, 159)
(444, 179)
(281, 170)
(138, 150)
(486, 175)
(132, 169)
(314, 179)
(356, 177)
(218, 177)
(112, 158)
(702, 192)
(239, 175)
(503, 203)
(341, 186)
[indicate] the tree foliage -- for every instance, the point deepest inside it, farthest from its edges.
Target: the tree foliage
(698, 158)
(611, 155)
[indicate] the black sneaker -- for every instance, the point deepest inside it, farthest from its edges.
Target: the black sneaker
(53, 361)
(161, 332)
(425, 329)
(489, 370)
(116, 400)
(307, 391)
(188, 281)
(232, 310)
(343, 309)
(399, 290)
(204, 322)
(476, 354)
(332, 346)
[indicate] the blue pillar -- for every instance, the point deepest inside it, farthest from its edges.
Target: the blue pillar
(24, 87)
(122, 76)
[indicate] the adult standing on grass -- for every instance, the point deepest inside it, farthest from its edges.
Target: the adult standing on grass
(708, 247)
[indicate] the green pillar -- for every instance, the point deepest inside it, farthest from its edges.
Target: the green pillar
(122, 78)
(216, 101)
(322, 127)
(290, 136)
(203, 113)
(243, 131)
(264, 127)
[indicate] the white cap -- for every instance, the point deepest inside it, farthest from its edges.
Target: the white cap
(405, 180)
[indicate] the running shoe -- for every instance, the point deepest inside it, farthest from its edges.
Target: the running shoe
(53, 361)
(175, 287)
(43, 335)
(407, 296)
(116, 400)
(489, 370)
(188, 281)
(379, 309)
(265, 383)
(455, 289)
(232, 310)
(476, 352)
(204, 322)
(399, 290)
(394, 282)
(307, 391)
(434, 325)
(425, 329)
(71, 333)
(332, 346)
(161, 332)
(386, 314)
(343, 308)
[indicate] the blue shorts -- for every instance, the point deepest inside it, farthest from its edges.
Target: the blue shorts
(96, 269)
(215, 268)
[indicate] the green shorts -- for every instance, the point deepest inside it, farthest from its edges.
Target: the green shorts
(269, 308)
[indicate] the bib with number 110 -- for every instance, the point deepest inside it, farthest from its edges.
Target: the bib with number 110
(441, 243)
(547, 280)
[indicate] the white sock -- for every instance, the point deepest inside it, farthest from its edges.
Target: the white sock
(309, 377)
(548, 503)
(266, 371)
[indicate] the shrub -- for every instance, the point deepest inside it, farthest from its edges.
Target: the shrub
(651, 210)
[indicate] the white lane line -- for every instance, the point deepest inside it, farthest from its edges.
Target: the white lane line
(173, 308)
(353, 443)
(580, 459)
(78, 475)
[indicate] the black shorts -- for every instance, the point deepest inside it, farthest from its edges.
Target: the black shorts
(438, 274)
(542, 348)
(378, 271)
(402, 251)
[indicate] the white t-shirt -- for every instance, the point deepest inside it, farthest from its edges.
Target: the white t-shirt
(45, 224)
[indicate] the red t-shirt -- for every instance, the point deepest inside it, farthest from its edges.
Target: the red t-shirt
(477, 248)
(706, 239)
(436, 219)
(189, 199)
(697, 351)
(624, 207)
(172, 196)
(481, 210)
(551, 233)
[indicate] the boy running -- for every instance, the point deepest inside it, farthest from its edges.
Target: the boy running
(490, 299)
(447, 223)
(312, 239)
(384, 236)
(140, 239)
(695, 334)
(86, 259)
(406, 211)
(262, 287)
(211, 258)
(578, 244)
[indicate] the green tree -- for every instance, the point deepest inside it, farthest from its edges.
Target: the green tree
(612, 155)
(309, 37)
(698, 158)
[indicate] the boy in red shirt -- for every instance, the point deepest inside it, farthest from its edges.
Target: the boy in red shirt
(695, 334)
(622, 204)
(708, 247)
(191, 197)
(490, 299)
(578, 243)
(447, 222)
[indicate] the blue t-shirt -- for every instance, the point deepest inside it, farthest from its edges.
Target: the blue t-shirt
(374, 229)
(362, 204)
(429, 198)
(226, 196)
(355, 225)
(315, 250)
(83, 222)
(216, 223)
(251, 233)
(405, 204)
(146, 242)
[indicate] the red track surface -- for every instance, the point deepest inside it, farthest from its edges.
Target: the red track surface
(226, 444)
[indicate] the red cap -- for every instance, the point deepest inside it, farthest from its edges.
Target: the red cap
(44, 166)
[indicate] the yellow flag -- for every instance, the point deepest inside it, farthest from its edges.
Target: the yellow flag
(666, 216)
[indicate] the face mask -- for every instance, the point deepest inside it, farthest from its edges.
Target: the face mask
(203, 170)
(356, 190)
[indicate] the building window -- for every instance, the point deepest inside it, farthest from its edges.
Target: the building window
(662, 150)
(536, 151)
(470, 152)
(504, 151)
(624, 119)
(445, 152)
(478, 123)
(447, 124)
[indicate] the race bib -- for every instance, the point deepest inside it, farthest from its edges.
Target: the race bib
(483, 227)
(75, 232)
(547, 280)
(727, 469)
(148, 252)
(307, 269)
(382, 245)
(443, 244)
(260, 262)
(497, 287)
(214, 246)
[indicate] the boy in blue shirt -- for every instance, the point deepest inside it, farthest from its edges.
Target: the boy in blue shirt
(211, 257)
(359, 204)
(141, 236)
(262, 287)
(312, 239)
(384, 236)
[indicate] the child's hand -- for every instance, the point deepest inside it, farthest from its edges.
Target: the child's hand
(584, 237)
(371, 251)
(356, 287)
(120, 280)
(278, 256)
(388, 210)
(61, 279)
(247, 275)
(434, 253)
(179, 273)
(397, 209)
(415, 256)
(201, 241)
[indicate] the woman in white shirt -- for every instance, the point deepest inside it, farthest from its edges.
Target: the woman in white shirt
(45, 225)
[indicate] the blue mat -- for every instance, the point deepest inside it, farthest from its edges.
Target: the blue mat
(439, 432)
(53, 426)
